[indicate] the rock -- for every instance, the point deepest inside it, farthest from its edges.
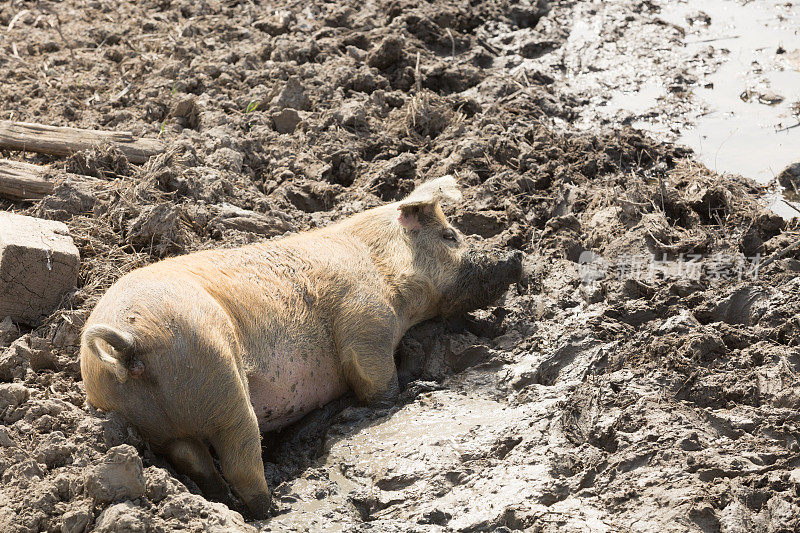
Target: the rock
(790, 177)
(38, 265)
(12, 395)
(286, 120)
(292, 95)
(118, 476)
(123, 517)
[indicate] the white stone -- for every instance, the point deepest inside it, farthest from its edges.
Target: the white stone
(38, 265)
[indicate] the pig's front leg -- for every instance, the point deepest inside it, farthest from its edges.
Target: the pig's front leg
(368, 363)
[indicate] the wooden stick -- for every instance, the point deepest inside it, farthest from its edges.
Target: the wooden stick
(58, 140)
(778, 254)
(23, 181)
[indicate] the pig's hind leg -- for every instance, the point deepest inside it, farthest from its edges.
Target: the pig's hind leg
(192, 457)
(238, 445)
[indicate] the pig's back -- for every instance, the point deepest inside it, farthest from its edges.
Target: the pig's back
(283, 297)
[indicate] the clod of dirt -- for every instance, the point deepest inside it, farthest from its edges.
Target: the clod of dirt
(227, 159)
(187, 111)
(105, 162)
(770, 98)
(342, 168)
(70, 197)
(15, 361)
(274, 25)
(232, 217)
(12, 395)
(293, 96)
(159, 228)
(118, 476)
(698, 17)
(123, 516)
(484, 223)
(427, 115)
(644, 393)
(396, 179)
(285, 120)
(789, 178)
(8, 331)
(351, 115)
(387, 53)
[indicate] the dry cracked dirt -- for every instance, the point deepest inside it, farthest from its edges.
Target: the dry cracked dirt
(643, 376)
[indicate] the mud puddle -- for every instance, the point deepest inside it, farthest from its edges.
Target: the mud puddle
(746, 118)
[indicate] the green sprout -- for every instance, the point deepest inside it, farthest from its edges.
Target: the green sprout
(252, 106)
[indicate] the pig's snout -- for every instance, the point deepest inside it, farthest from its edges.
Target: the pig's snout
(481, 280)
(511, 265)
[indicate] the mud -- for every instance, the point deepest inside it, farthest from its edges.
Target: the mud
(607, 392)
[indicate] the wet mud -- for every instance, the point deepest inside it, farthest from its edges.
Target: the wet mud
(643, 375)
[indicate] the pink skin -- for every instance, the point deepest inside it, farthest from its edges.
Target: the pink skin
(294, 385)
(409, 222)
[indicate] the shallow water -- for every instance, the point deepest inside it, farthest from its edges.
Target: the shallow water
(739, 130)
(739, 133)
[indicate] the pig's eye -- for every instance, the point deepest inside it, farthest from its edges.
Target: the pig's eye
(449, 234)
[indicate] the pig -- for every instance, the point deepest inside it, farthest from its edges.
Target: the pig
(214, 347)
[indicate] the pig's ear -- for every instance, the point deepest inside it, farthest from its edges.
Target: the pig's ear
(420, 203)
(430, 192)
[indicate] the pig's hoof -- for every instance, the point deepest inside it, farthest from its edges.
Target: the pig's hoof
(415, 388)
(384, 401)
(260, 507)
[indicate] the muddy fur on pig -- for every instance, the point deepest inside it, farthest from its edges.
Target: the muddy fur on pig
(214, 347)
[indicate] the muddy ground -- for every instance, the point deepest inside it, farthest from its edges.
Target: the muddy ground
(607, 392)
